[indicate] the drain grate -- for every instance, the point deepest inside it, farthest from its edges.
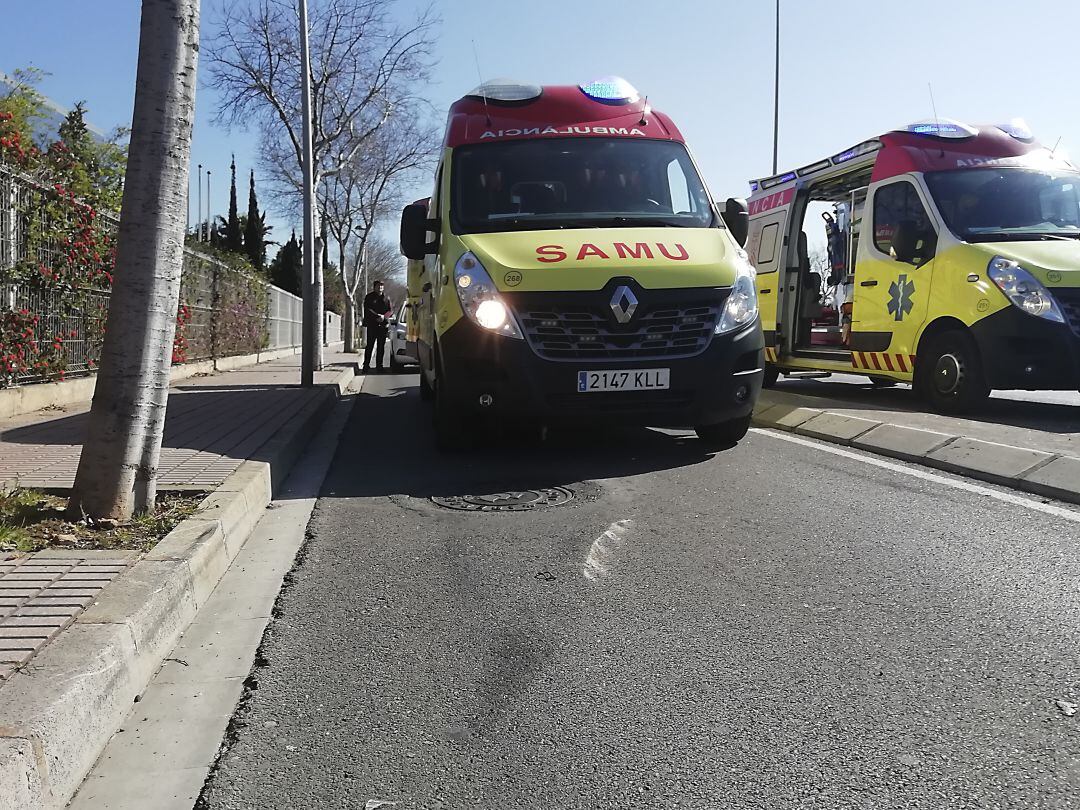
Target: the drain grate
(516, 501)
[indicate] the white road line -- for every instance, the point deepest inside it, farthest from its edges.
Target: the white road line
(602, 553)
(1007, 497)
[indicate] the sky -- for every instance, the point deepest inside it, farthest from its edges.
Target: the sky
(844, 75)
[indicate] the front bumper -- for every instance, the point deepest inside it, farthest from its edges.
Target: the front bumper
(1020, 351)
(719, 384)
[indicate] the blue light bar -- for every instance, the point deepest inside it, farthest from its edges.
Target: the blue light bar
(942, 128)
(1018, 129)
(611, 90)
(864, 148)
(507, 91)
(776, 181)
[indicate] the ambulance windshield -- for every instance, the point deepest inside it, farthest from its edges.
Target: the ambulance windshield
(576, 183)
(992, 204)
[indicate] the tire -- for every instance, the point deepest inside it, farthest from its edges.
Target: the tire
(723, 435)
(772, 374)
(950, 374)
(426, 392)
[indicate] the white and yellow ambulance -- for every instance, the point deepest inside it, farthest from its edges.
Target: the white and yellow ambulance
(576, 270)
(953, 263)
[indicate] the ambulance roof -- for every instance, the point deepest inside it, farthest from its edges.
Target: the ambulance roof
(926, 146)
(505, 110)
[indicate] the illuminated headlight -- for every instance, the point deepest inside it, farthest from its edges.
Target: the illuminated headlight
(491, 314)
(480, 299)
(741, 306)
(1024, 290)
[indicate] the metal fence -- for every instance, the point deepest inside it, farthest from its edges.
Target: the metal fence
(228, 311)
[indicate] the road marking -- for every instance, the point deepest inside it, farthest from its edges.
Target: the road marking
(1007, 497)
(603, 550)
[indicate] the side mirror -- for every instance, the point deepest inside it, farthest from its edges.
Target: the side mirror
(415, 227)
(911, 244)
(737, 217)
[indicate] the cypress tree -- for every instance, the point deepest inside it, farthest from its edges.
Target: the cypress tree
(254, 236)
(234, 240)
(286, 267)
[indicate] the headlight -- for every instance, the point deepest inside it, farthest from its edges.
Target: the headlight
(1024, 290)
(480, 299)
(741, 306)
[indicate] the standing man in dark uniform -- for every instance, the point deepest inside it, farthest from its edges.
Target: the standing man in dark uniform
(377, 313)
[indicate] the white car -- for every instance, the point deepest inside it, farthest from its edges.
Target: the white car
(402, 352)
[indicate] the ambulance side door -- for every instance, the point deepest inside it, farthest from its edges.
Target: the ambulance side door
(892, 281)
(766, 249)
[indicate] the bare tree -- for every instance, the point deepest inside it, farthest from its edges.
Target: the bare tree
(363, 194)
(364, 66)
(117, 472)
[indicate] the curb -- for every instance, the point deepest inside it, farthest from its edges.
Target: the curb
(60, 710)
(1052, 475)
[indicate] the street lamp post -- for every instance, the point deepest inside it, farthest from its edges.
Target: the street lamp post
(311, 316)
(776, 94)
(198, 207)
(207, 205)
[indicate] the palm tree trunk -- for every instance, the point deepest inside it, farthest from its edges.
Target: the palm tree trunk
(117, 471)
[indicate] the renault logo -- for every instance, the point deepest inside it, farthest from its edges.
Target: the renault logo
(623, 304)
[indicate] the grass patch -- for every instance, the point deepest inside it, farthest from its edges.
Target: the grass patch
(34, 521)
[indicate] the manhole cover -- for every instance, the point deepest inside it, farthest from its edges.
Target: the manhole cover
(516, 501)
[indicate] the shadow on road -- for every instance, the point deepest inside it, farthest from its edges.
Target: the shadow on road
(389, 449)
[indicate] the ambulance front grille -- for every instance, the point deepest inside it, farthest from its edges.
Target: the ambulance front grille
(577, 331)
(1068, 299)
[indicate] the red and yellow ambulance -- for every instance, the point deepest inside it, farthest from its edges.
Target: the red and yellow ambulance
(952, 262)
(575, 270)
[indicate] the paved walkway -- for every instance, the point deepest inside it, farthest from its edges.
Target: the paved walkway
(1046, 421)
(213, 423)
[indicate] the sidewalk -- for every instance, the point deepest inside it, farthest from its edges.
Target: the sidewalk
(1004, 444)
(82, 631)
(212, 424)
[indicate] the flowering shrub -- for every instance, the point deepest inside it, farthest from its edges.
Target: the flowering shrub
(65, 260)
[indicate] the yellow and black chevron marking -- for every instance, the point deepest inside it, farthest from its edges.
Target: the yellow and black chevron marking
(883, 361)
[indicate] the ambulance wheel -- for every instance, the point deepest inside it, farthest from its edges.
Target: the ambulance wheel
(772, 374)
(450, 432)
(950, 373)
(426, 392)
(723, 435)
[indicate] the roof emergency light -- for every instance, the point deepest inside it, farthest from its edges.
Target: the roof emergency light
(942, 128)
(611, 90)
(1018, 129)
(864, 148)
(507, 91)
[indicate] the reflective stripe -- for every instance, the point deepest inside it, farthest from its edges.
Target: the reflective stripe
(903, 365)
(888, 362)
(877, 363)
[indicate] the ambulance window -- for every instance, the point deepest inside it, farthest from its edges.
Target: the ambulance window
(894, 204)
(679, 190)
(767, 249)
(433, 210)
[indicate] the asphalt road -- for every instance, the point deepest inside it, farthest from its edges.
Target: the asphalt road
(781, 625)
